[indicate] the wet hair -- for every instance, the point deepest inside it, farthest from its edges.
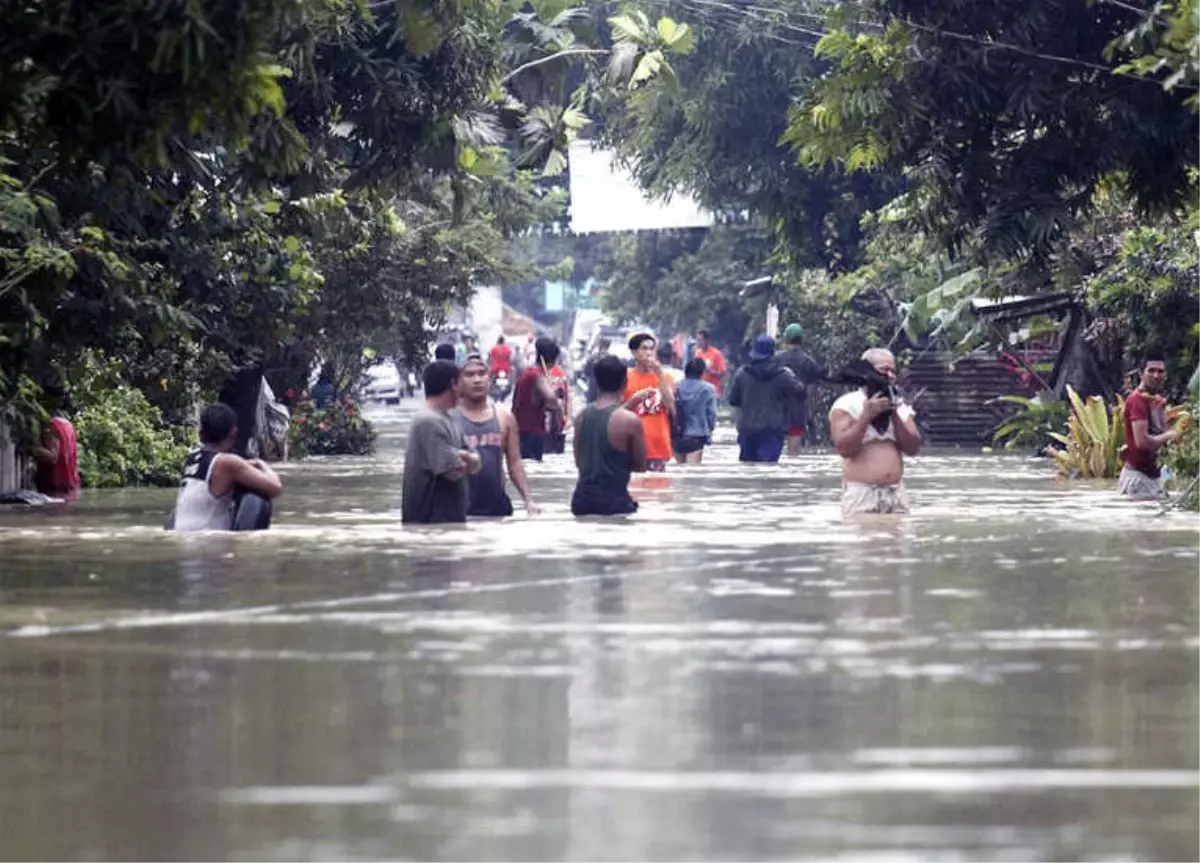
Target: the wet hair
(439, 376)
(547, 350)
(500, 339)
(217, 422)
(640, 339)
(702, 333)
(666, 353)
(610, 374)
(1154, 356)
(444, 352)
(695, 368)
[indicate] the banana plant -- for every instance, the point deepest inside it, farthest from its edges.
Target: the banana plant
(1094, 438)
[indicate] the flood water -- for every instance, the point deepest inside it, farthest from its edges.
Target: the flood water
(1008, 674)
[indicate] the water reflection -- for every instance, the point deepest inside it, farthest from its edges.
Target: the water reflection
(734, 673)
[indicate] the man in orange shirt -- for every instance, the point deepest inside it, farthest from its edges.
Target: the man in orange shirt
(714, 361)
(650, 394)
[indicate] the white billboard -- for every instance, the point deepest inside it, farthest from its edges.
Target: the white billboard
(605, 198)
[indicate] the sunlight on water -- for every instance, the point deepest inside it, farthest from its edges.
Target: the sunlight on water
(733, 673)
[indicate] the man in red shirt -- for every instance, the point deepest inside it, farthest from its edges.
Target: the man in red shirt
(1146, 433)
(533, 398)
(714, 361)
(500, 358)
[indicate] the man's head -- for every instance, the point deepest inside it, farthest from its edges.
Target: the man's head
(610, 374)
(546, 350)
(55, 398)
(642, 346)
(763, 349)
(1154, 373)
(500, 339)
(441, 378)
(666, 354)
(794, 335)
(603, 345)
(474, 380)
(702, 339)
(218, 426)
(469, 343)
(444, 352)
(883, 361)
(695, 368)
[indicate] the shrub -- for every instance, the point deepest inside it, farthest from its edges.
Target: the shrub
(122, 441)
(1032, 425)
(1093, 440)
(1183, 458)
(338, 428)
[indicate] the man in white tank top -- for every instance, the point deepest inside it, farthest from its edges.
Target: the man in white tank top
(873, 460)
(212, 473)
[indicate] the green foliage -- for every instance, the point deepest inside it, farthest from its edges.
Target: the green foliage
(1183, 458)
(1033, 424)
(1004, 115)
(1093, 439)
(338, 428)
(122, 438)
(1165, 42)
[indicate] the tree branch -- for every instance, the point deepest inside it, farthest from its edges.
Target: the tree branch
(567, 53)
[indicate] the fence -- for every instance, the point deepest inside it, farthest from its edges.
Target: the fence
(13, 463)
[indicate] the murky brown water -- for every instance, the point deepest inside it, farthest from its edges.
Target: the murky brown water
(1010, 673)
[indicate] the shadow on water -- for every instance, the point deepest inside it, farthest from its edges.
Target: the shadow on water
(734, 673)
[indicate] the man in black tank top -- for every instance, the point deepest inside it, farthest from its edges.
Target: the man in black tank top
(609, 445)
(491, 433)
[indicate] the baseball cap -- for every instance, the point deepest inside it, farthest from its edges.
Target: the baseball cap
(793, 333)
(764, 347)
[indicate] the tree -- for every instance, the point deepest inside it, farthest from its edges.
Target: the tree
(1004, 116)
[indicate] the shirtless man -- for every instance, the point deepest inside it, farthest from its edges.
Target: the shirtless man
(491, 433)
(873, 461)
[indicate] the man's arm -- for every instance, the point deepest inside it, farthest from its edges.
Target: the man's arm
(1142, 439)
(549, 400)
(636, 441)
(255, 475)
(908, 437)
(48, 451)
(445, 456)
(512, 456)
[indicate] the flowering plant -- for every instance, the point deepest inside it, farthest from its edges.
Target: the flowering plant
(337, 428)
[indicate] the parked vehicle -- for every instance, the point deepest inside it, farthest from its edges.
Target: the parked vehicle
(381, 383)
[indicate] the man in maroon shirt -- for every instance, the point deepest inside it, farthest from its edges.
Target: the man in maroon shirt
(1146, 433)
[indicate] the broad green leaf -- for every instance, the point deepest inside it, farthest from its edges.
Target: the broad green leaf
(647, 68)
(625, 29)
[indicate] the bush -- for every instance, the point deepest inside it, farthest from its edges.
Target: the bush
(1032, 425)
(1093, 439)
(338, 428)
(1183, 458)
(122, 441)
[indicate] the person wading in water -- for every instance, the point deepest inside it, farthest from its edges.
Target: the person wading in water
(491, 433)
(533, 397)
(873, 433)
(610, 443)
(1146, 433)
(650, 394)
(212, 473)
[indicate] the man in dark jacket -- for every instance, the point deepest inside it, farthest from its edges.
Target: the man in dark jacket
(808, 371)
(761, 391)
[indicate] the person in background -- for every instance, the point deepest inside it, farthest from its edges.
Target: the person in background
(533, 397)
(556, 423)
(602, 347)
(714, 362)
(762, 391)
(436, 460)
(491, 432)
(809, 372)
(695, 414)
(650, 394)
(667, 359)
(1146, 433)
(325, 391)
(465, 348)
(213, 472)
(57, 457)
(609, 445)
(873, 460)
(445, 352)
(529, 352)
(500, 358)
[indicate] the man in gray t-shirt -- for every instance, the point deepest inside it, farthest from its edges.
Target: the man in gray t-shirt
(436, 461)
